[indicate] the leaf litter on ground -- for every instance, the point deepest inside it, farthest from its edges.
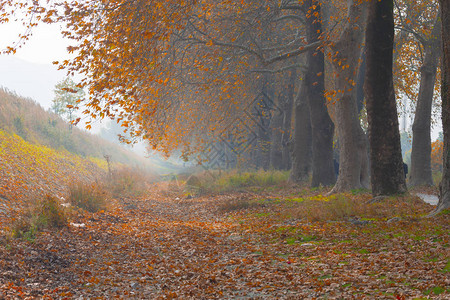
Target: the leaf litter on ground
(290, 243)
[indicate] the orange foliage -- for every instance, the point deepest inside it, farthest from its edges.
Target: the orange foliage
(437, 150)
(173, 72)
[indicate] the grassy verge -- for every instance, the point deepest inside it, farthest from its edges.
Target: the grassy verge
(347, 231)
(221, 182)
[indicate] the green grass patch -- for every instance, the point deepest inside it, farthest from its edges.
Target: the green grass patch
(446, 269)
(298, 199)
(419, 238)
(262, 215)
(359, 191)
(291, 241)
(437, 290)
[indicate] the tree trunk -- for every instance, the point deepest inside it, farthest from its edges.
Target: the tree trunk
(420, 173)
(360, 81)
(287, 120)
(321, 124)
(353, 159)
(387, 176)
(281, 122)
(444, 188)
(276, 135)
(263, 116)
(302, 141)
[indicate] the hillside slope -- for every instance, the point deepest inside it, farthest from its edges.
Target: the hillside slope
(27, 119)
(29, 171)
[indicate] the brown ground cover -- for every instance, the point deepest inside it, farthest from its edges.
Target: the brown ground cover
(290, 243)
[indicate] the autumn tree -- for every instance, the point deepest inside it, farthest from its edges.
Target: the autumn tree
(200, 38)
(418, 53)
(172, 71)
(387, 176)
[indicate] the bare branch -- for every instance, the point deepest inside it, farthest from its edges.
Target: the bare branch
(287, 17)
(290, 54)
(299, 66)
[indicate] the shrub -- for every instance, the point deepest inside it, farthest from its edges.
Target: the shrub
(22, 228)
(90, 197)
(47, 213)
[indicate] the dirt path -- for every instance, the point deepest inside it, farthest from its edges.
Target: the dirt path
(163, 247)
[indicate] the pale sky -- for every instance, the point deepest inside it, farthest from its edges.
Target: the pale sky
(30, 72)
(45, 45)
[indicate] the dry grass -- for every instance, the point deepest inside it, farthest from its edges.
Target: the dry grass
(347, 206)
(239, 203)
(129, 182)
(314, 207)
(210, 182)
(90, 197)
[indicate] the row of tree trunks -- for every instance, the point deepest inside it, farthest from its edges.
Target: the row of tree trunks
(353, 155)
(420, 173)
(314, 130)
(263, 131)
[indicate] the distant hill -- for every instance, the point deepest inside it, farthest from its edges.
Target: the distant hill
(30, 121)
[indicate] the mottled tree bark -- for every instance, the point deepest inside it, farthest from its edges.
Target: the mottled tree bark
(302, 141)
(353, 158)
(420, 173)
(444, 194)
(321, 124)
(387, 176)
(360, 81)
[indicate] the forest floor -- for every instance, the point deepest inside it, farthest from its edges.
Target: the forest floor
(288, 243)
